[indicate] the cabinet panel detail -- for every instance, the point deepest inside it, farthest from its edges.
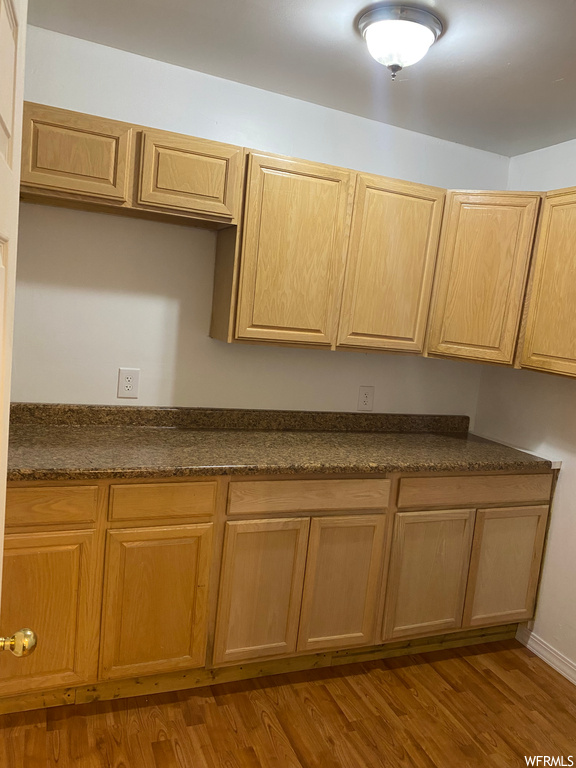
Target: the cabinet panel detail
(391, 259)
(267, 496)
(428, 572)
(482, 272)
(191, 175)
(474, 490)
(49, 584)
(73, 152)
(261, 588)
(341, 584)
(156, 598)
(148, 501)
(550, 339)
(505, 566)
(51, 505)
(295, 230)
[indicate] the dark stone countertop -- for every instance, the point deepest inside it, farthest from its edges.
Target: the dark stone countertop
(49, 452)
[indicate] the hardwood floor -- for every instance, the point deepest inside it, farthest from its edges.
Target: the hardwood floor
(481, 706)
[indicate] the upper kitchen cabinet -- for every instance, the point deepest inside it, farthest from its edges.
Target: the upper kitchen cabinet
(193, 176)
(390, 268)
(550, 338)
(482, 270)
(84, 161)
(69, 152)
(293, 249)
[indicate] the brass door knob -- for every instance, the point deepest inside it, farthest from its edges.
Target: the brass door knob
(22, 643)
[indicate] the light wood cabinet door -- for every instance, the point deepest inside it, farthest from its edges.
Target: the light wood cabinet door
(51, 584)
(260, 589)
(341, 583)
(190, 175)
(155, 599)
(481, 277)
(550, 338)
(71, 152)
(295, 233)
(505, 565)
(390, 265)
(428, 572)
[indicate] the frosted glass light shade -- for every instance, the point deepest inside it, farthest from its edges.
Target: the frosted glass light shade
(394, 42)
(399, 35)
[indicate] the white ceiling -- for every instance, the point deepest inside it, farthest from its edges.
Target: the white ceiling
(501, 78)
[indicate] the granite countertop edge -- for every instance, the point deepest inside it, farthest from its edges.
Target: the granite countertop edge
(436, 466)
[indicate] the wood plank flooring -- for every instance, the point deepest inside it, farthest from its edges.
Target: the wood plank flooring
(474, 707)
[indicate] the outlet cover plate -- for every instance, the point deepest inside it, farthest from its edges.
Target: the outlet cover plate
(128, 383)
(366, 399)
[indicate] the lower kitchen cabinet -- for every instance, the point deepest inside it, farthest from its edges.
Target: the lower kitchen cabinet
(341, 567)
(428, 572)
(261, 588)
(50, 584)
(505, 566)
(155, 607)
(342, 582)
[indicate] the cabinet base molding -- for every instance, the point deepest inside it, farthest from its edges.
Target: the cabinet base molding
(199, 678)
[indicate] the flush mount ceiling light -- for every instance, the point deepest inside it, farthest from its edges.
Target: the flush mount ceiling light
(398, 35)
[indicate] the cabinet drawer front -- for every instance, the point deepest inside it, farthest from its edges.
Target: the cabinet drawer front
(506, 558)
(77, 153)
(266, 496)
(189, 174)
(47, 506)
(157, 501)
(455, 491)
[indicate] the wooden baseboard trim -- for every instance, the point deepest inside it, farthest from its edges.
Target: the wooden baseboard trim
(198, 678)
(37, 700)
(547, 653)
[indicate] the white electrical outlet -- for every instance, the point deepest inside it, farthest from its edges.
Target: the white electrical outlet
(128, 382)
(366, 399)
